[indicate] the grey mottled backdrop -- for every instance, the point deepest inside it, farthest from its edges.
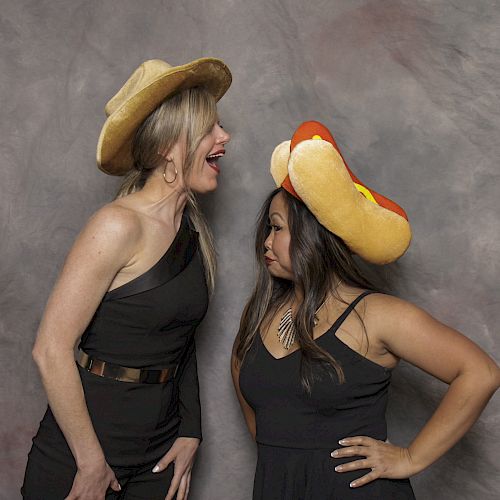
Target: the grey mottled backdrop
(410, 89)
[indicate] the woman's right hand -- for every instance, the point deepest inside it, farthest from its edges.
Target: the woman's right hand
(91, 483)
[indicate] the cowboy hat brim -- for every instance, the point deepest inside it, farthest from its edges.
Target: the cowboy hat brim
(114, 149)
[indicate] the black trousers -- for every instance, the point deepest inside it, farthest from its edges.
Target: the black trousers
(43, 481)
(136, 424)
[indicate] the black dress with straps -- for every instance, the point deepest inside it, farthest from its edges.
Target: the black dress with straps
(148, 322)
(296, 431)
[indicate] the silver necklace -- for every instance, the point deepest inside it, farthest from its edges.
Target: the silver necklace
(286, 328)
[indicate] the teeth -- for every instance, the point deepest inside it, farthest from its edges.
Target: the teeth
(211, 157)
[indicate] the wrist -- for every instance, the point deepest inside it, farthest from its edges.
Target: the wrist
(90, 461)
(415, 463)
(190, 440)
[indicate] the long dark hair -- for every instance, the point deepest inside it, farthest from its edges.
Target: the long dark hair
(319, 260)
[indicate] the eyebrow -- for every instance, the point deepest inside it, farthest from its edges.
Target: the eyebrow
(276, 213)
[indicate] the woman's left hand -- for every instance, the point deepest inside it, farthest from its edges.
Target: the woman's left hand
(384, 459)
(182, 453)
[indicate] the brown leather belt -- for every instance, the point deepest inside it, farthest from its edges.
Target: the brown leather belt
(124, 373)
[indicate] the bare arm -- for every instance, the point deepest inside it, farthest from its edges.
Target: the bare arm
(103, 247)
(248, 412)
(413, 335)
(441, 351)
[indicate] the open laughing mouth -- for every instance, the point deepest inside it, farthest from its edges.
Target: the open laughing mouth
(213, 158)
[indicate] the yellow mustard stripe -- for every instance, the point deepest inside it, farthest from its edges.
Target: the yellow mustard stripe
(365, 192)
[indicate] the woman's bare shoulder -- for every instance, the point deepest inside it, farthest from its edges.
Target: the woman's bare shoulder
(382, 309)
(117, 220)
(383, 304)
(377, 300)
(112, 230)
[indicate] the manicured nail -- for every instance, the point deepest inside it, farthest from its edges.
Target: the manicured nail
(353, 484)
(342, 441)
(338, 468)
(156, 468)
(334, 453)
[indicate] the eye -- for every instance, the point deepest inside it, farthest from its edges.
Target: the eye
(276, 228)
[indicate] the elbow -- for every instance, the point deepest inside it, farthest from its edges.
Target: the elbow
(496, 377)
(490, 377)
(38, 354)
(46, 355)
(41, 359)
(481, 379)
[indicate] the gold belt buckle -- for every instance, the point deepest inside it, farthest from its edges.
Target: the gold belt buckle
(124, 373)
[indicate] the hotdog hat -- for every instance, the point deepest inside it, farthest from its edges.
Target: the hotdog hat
(150, 84)
(311, 168)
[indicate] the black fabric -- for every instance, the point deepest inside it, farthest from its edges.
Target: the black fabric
(151, 327)
(147, 323)
(136, 424)
(296, 432)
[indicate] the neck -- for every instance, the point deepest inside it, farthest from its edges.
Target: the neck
(162, 200)
(298, 295)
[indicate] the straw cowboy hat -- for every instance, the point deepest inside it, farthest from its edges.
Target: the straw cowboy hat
(311, 168)
(150, 84)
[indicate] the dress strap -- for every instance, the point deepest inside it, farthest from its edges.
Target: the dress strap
(350, 307)
(174, 261)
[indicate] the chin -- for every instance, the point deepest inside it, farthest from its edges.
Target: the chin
(205, 188)
(278, 275)
(211, 187)
(214, 186)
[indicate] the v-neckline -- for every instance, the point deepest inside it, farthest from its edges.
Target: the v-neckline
(334, 327)
(339, 341)
(295, 350)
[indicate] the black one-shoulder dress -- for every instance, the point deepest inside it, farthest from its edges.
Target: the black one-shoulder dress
(296, 432)
(148, 322)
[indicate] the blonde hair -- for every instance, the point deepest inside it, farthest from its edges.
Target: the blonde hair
(192, 113)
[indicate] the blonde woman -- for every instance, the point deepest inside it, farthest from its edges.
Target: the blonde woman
(124, 420)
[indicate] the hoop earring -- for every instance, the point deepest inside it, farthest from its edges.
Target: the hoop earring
(165, 174)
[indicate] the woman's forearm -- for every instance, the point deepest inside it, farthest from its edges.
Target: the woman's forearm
(67, 401)
(462, 404)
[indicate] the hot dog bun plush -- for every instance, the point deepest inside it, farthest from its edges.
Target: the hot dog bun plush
(311, 168)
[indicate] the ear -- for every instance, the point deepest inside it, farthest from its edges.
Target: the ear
(163, 155)
(279, 162)
(375, 233)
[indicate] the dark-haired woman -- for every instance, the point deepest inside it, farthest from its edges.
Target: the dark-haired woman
(124, 422)
(313, 357)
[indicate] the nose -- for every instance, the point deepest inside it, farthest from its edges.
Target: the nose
(223, 137)
(268, 243)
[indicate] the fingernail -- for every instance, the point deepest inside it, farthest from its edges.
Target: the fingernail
(353, 484)
(342, 441)
(338, 468)
(119, 487)
(156, 468)
(335, 453)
